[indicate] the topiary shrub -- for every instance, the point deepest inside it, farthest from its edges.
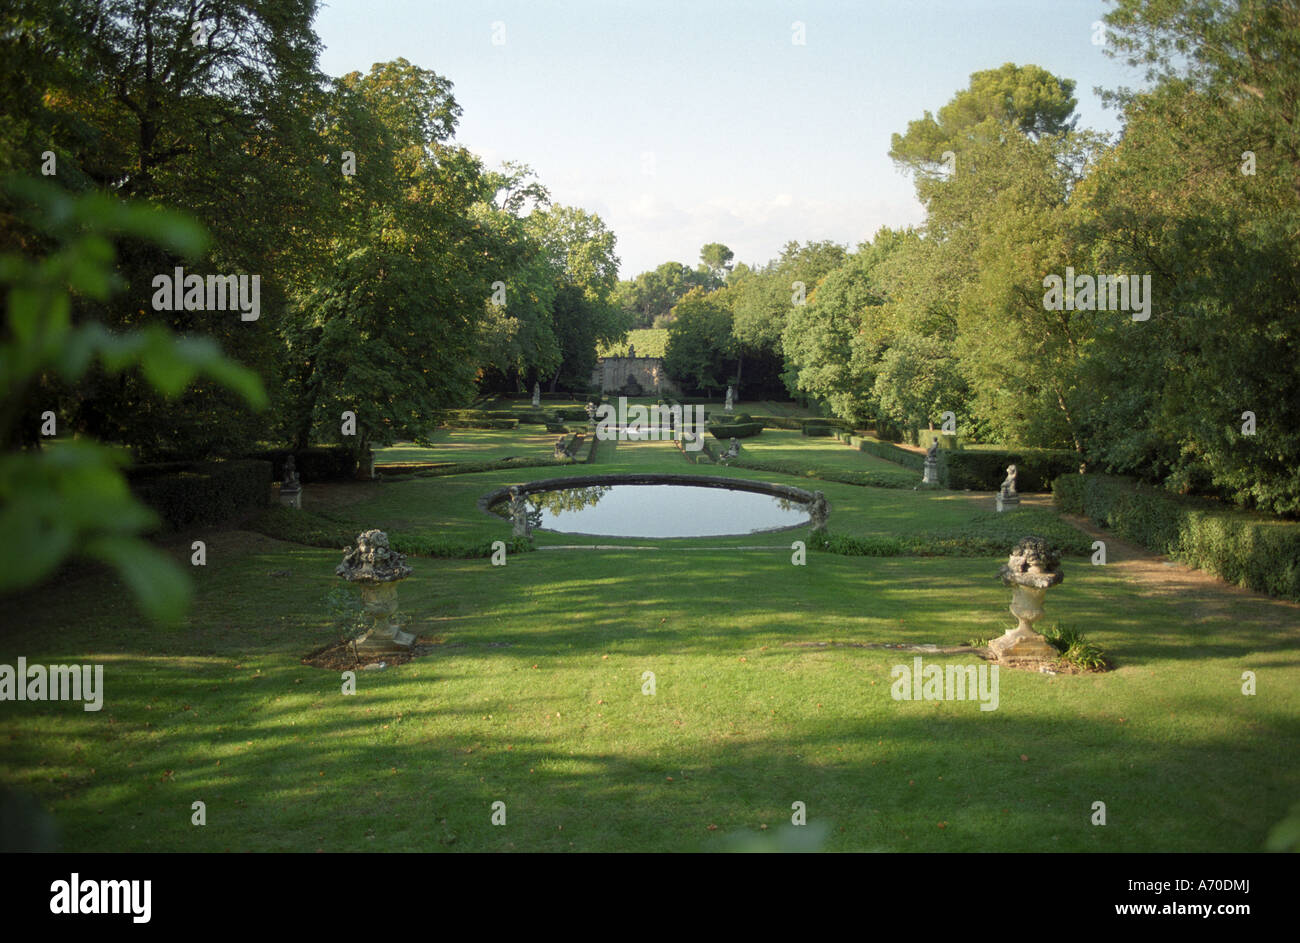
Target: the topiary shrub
(735, 430)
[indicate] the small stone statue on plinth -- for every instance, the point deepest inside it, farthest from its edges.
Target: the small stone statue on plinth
(519, 513)
(819, 512)
(561, 450)
(731, 400)
(631, 351)
(733, 449)
(290, 487)
(537, 394)
(377, 569)
(931, 476)
(1007, 496)
(1033, 566)
(591, 413)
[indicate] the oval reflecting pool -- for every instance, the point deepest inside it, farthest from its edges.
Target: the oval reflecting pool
(659, 510)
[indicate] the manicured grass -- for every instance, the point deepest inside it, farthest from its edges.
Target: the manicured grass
(649, 342)
(533, 697)
(473, 445)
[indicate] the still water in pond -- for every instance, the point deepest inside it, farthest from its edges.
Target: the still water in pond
(659, 511)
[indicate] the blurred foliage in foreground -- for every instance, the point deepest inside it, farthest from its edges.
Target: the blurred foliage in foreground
(72, 499)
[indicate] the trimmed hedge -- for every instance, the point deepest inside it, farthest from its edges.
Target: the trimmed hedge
(780, 422)
(534, 417)
(988, 534)
(565, 397)
(465, 468)
(319, 463)
(203, 492)
(978, 468)
(1242, 547)
(737, 430)
(481, 424)
(890, 453)
(817, 427)
(982, 469)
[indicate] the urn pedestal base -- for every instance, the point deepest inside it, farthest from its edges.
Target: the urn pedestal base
(1023, 642)
(376, 644)
(380, 603)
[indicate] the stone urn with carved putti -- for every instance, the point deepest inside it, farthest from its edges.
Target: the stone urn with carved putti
(377, 569)
(1033, 567)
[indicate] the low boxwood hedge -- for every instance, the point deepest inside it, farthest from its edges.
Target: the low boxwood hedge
(817, 427)
(987, 534)
(482, 424)
(203, 492)
(465, 468)
(1242, 547)
(887, 451)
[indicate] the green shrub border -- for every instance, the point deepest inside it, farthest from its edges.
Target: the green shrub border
(737, 430)
(1242, 547)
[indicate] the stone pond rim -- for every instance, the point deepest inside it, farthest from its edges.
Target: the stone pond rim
(770, 488)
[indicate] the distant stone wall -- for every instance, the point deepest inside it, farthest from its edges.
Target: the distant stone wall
(612, 373)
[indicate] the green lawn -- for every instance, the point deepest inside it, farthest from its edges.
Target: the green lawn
(533, 697)
(649, 342)
(473, 445)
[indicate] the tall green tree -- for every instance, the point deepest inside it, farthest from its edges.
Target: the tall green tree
(699, 353)
(389, 334)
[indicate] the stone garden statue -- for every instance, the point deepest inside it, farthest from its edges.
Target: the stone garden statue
(519, 512)
(731, 400)
(931, 475)
(631, 351)
(1007, 496)
(537, 393)
(290, 487)
(733, 448)
(374, 566)
(591, 412)
(819, 511)
(1033, 566)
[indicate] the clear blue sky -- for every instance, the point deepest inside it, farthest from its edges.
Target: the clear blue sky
(682, 123)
